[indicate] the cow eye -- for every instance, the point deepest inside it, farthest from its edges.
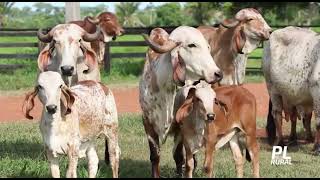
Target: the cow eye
(250, 19)
(40, 87)
(191, 45)
(79, 40)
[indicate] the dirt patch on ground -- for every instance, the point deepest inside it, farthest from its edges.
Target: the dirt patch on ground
(127, 100)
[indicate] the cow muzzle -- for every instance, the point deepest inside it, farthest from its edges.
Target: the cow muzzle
(51, 108)
(211, 117)
(67, 70)
(217, 77)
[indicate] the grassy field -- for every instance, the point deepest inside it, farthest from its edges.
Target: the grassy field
(124, 71)
(22, 155)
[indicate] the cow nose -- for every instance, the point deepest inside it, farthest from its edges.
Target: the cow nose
(51, 109)
(270, 31)
(211, 116)
(67, 70)
(122, 31)
(218, 75)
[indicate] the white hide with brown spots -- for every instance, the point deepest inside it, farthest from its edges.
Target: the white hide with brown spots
(291, 67)
(157, 87)
(93, 114)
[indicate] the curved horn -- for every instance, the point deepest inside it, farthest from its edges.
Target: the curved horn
(230, 23)
(168, 46)
(44, 37)
(91, 37)
(93, 20)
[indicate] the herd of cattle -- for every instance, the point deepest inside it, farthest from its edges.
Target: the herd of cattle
(190, 88)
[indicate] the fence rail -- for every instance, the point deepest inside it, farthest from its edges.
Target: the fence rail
(108, 56)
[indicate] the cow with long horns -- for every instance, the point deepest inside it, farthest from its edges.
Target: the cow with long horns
(184, 57)
(68, 54)
(233, 39)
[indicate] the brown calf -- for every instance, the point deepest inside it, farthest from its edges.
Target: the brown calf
(233, 120)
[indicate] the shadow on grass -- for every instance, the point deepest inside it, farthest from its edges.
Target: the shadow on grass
(134, 169)
(22, 149)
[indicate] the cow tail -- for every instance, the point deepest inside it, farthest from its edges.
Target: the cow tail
(106, 154)
(271, 126)
(248, 158)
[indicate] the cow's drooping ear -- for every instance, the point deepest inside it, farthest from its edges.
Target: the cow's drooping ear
(45, 57)
(28, 103)
(187, 107)
(90, 58)
(230, 23)
(67, 99)
(239, 40)
(179, 67)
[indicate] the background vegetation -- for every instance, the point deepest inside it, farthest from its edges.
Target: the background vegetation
(190, 13)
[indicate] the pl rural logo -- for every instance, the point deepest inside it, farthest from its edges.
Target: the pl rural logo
(279, 156)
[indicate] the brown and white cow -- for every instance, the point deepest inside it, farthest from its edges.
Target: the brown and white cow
(110, 29)
(233, 40)
(183, 58)
(68, 54)
(72, 119)
(211, 118)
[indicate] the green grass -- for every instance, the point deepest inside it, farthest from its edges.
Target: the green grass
(123, 71)
(22, 155)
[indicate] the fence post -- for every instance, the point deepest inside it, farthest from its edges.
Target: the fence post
(107, 58)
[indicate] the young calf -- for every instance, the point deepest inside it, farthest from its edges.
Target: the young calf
(232, 119)
(72, 118)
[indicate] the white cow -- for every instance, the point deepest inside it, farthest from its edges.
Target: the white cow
(69, 54)
(72, 119)
(292, 70)
(183, 58)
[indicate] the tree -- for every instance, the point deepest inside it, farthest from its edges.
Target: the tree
(93, 11)
(170, 14)
(127, 13)
(4, 10)
(203, 12)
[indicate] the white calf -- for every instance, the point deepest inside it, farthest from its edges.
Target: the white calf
(72, 118)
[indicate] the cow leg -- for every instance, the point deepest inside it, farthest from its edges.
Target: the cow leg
(178, 154)
(271, 126)
(154, 147)
(93, 161)
(277, 117)
(209, 159)
(253, 148)
(237, 155)
(189, 163)
(54, 164)
(195, 162)
(73, 152)
(293, 133)
(307, 126)
(111, 135)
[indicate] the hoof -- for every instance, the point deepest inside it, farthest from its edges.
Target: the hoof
(179, 173)
(310, 139)
(293, 142)
(280, 143)
(316, 149)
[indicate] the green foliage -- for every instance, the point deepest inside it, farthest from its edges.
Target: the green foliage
(203, 12)
(170, 14)
(127, 14)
